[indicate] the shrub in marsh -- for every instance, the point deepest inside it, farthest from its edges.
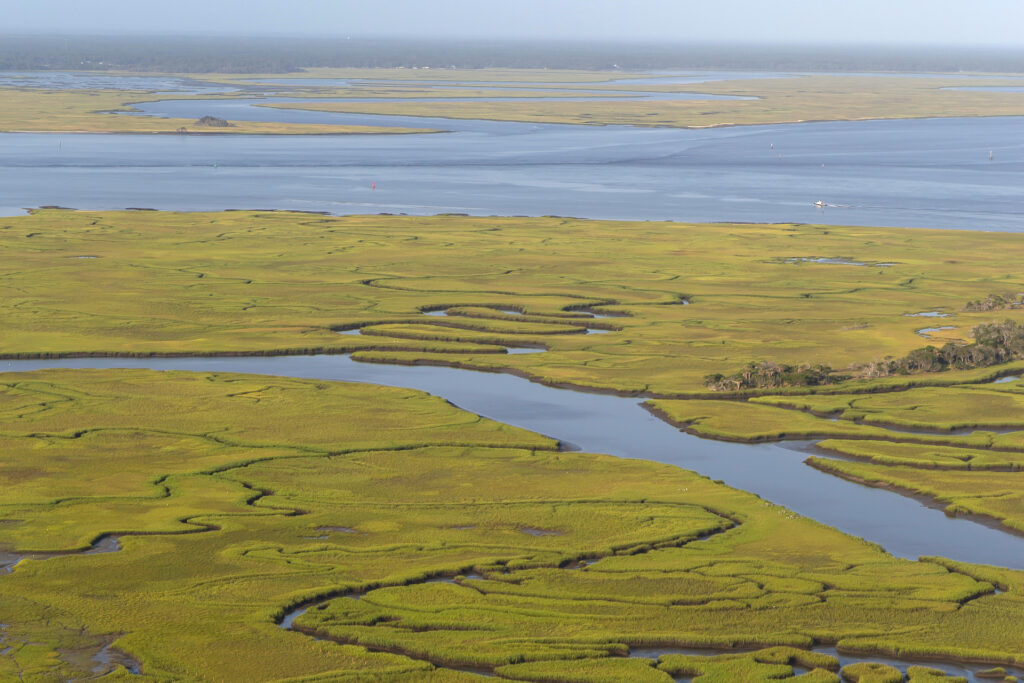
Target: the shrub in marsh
(994, 302)
(767, 374)
(213, 122)
(994, 343)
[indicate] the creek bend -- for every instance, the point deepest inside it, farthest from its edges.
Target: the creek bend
(967, 670)
(611, 172)
(622, 427)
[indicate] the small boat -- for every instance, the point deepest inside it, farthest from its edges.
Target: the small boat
(820, 204)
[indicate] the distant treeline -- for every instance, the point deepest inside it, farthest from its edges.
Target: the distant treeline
(769, 375)
(994, 344)
(278, 55)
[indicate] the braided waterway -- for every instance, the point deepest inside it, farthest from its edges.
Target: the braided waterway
(620, 426)
(968, 671)
(933, 173)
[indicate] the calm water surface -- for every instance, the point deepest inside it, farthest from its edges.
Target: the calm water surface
(619, 426)
(933, 173)
(914, 173)
(928, 173)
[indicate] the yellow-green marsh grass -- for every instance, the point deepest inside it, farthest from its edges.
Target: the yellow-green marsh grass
(783, 100)
(605, 670)
(807, 98)
(994, 494)
(251, 282)
(428, 490)
(927, 456)
(32, 110)
(242, 496)
(258, 282)
(763, 665)
(534, 77)
(745, 421)
(933, 408)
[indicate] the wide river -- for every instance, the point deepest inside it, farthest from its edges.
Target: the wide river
(913, 173)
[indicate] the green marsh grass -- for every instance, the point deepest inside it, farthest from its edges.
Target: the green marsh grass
(264, 283)
(237, 497)
(33, 110)
(783, 100)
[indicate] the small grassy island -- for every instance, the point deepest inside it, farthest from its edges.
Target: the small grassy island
(532, 95)
(757, 101)
(31, 110)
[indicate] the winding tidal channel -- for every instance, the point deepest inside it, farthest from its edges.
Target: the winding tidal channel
(906, 173)
(622, 427)
(930, 173)
(601, 423)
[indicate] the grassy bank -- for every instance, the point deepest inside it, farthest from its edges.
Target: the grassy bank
(224, 487)
(784, 100)
(31, 110)
(237, 497)
(533, 97)
(259, 282)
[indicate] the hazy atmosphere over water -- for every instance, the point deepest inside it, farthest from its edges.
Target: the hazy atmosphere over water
(949, 22)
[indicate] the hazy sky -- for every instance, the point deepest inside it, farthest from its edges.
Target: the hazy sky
(978, 22)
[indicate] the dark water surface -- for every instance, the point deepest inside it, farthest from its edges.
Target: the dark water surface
(619, 426)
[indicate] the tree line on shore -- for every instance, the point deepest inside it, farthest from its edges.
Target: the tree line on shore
(994, 343)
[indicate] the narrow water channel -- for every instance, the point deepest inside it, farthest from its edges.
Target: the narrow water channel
(969, 671)
(620, 426)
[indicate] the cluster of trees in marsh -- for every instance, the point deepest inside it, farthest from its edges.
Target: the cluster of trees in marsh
(994, 343)
(208, 54)
(213, 122)
(766, 374)
(994, 302)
